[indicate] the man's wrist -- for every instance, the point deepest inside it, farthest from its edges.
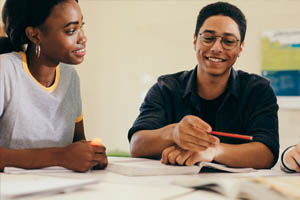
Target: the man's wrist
(218, 151)
(170, 135)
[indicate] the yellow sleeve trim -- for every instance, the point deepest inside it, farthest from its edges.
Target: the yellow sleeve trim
(80, 118)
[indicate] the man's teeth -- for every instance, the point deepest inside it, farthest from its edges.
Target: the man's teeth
(215, 59)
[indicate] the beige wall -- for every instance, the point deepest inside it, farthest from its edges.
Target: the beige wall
(1, 5)
(131, 43)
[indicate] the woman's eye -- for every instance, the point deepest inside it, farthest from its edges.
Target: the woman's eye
(70, 32)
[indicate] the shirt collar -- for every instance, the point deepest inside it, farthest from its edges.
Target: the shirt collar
(233, 86)
(191, 84)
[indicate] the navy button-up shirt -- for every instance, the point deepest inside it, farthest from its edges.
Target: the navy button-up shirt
(249, 107)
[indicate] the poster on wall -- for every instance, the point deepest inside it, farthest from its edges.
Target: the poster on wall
(281, 61)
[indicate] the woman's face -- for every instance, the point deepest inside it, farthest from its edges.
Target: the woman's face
(62, 38)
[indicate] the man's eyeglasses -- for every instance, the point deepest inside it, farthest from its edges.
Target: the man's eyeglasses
(228, 41)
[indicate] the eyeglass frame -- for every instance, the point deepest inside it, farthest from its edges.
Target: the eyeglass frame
(215, 39)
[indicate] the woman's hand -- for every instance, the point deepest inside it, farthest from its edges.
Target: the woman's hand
(82, 156)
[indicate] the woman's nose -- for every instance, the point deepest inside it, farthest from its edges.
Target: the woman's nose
(82, 39)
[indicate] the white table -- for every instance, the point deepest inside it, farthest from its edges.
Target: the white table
(116, 186)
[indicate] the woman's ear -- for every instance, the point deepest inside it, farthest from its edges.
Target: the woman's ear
(33, 34)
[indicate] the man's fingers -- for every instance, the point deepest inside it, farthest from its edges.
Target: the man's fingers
(189, 139)
(195, 147)
(192, 160)
(197, 122)
(182, 157)
(173, 155)
(165, 153)
(202, 134)
(196, 132)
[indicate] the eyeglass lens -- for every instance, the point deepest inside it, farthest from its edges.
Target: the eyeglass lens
(228, 41)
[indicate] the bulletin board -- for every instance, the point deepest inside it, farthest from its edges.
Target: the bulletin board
(281, 65)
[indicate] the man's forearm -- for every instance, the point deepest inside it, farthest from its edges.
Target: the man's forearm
(151, 143)
(254, 154)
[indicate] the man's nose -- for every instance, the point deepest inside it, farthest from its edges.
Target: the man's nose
(217, 46)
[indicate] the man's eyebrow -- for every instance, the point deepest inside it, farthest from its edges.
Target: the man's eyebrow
(226, 33)
(208, 31)
(214, 32)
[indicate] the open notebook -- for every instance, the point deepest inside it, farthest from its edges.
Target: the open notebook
(286, 185)
(231, 188)
(14, 186)
(149, 167)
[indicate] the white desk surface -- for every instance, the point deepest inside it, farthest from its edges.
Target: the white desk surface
(116, 186)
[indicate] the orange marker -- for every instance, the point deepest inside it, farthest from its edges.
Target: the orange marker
(96, 142)
(244, 137)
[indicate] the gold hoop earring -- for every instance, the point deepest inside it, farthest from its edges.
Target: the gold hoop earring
(38, 50)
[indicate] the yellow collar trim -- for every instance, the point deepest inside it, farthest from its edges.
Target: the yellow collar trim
(47, 89)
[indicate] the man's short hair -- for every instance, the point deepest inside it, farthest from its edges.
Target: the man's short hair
(225, 9)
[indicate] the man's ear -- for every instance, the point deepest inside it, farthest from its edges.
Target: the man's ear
(195, 41)
(241, 48)
(33, 34)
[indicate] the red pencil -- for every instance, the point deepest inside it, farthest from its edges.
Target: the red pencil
(244, 137)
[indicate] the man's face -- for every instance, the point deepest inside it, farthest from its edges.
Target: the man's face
(212, 58)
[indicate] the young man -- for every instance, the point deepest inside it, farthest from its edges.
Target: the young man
(181, 109)
(290, 159)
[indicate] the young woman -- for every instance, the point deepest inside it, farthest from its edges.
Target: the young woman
(41, 120)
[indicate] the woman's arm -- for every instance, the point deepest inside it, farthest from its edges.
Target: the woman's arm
(100, 153)
(79, 131)
(79, 156)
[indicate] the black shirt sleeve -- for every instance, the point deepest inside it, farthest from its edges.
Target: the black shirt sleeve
(263, 120)
(152, 112)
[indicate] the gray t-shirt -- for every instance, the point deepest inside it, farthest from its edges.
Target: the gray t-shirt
(31, 115)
